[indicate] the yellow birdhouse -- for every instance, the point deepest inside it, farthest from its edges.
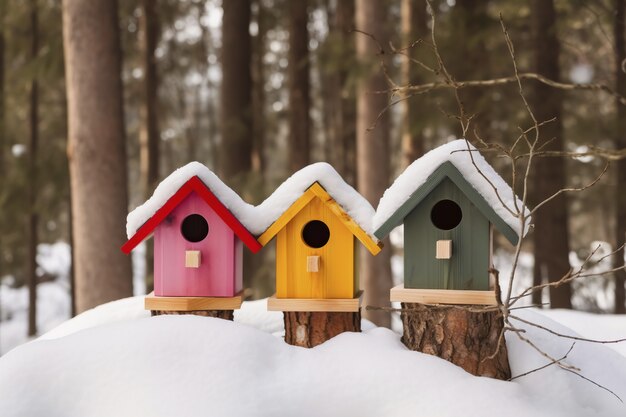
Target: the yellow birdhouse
(315, 254)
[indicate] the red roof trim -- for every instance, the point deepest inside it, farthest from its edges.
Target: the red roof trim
(194, 184)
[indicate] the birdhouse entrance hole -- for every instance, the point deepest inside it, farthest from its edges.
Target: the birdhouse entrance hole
(446, 215)
(315, 234)
(194, 228)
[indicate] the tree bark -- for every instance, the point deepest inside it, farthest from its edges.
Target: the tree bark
(236, 146)
(149, 128)
(309, 329)
(96, 150)
(33, 215)
(620, 143)
(298, 74)
(414, 27)
(470, 23)
(373, 151)
(551, 234)
(220, 314)
(465, 338)
(2, 137)
(258, 92)
(342, 101)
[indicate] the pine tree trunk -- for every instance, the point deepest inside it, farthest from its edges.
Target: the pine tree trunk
(220, 314)
(414, 18)
(467, 339)
(258, 92)
(149, 129)
(298, 73)
(309, 329)
(342, 100)
(33, 216)
(373, 151)
(96, 150)
(470, 24)
(551, 234)
(620, 143)
(2, 139)
(236, 147)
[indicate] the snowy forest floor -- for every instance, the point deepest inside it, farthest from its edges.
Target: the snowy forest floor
(117, 360)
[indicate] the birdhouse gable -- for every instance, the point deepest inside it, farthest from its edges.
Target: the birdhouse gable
(316, 191)
(196, 186)
(471, 174)
(447, 170)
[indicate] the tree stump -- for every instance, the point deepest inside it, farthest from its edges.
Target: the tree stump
(220, 314)
(309, 329)
(467, 339)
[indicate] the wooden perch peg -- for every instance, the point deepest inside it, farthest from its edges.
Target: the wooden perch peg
(312, 264)
(444, 249)
(192, 259)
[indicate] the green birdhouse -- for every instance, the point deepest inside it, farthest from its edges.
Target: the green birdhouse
(449, 201)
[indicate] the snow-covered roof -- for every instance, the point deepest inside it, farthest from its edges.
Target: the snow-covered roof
(353, 203)
(243, 211)
(258, 219)
(466, 159)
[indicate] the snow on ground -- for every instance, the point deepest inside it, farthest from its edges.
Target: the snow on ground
(470, 164)
(258, 219)
(53, 298)
(114, 360)
(593, 326)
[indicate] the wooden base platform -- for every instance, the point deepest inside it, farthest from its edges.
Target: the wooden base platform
(422, 296)
(155, 303)
(348, 305)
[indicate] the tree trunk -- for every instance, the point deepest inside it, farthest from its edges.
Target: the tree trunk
(96, 150)
(465, 338)
(620, 143)
(309, 329)
(470, 23)
(2, 140)
(551, 234)
(373, 151)
(149, 129)
(258, 92)
(220, 314)
(298, 74)
(33, 215)
(414, 18)
(342, 102)
(236, 146)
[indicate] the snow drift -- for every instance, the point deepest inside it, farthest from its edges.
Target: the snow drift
(102, 364)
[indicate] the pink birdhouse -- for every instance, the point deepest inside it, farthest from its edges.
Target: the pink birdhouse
(198, 242)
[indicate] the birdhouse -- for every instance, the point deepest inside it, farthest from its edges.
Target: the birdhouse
(449, 201)
(316, 240)
(198, 241)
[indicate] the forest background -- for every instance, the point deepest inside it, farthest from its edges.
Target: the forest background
(99, 101)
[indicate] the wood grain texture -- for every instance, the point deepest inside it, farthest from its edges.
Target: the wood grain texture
(217, 265)
(153, 302)
(464, 338)
(220, 314)
(335, 278)
(426, 296)
(309, 329)
(319, 305)
(468, 267)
